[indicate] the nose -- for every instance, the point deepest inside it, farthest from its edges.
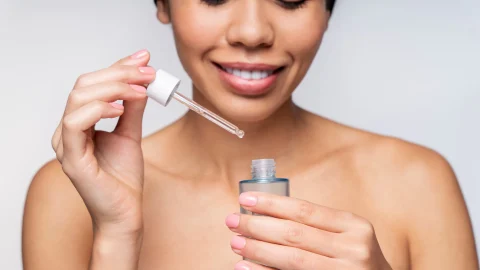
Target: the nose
(250, 26)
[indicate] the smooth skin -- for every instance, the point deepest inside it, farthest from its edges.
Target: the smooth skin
(170, 200)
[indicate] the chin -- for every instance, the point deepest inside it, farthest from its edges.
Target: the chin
(247, 110)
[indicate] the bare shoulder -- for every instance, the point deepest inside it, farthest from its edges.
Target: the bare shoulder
(413, 163)
(407, 164)
(418, 187)
(412, 169)
(57, 231)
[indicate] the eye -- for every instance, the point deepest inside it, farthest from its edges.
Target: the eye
(214, 2)
(292, 4)
(286, 4)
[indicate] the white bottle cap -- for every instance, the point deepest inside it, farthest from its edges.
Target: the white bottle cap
(162, 88)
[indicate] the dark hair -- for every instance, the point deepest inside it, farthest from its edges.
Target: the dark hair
(330, 4)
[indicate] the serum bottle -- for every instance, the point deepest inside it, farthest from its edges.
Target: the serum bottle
(264, 180)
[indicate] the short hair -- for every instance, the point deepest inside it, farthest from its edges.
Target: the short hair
(329, 3)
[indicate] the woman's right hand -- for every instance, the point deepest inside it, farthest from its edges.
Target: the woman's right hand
(107, 168)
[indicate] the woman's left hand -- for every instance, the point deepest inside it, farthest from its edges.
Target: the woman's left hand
(296, 234)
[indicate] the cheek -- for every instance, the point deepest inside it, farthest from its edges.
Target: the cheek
(301, 36)
(196, 29)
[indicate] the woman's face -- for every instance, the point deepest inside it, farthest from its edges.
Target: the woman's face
(245, 57)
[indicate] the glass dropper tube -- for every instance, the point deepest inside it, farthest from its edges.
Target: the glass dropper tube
(209, 115)
(164, 88)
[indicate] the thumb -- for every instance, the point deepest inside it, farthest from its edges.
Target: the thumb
(130, 123)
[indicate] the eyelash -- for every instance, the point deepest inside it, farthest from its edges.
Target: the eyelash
(213, 2)
(293, 5)
(284, 4)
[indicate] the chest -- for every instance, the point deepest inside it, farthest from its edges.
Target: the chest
(185, 222)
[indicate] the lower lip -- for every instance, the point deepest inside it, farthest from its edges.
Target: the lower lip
(248, 87)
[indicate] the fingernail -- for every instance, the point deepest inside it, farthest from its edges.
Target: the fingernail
(147, 70)
(247, 199)
(139, 54)
(241, 266)
(238, 242)
(138, 88)
(232, 220)
(116, 105)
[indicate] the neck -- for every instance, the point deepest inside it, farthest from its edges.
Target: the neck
(231, 156)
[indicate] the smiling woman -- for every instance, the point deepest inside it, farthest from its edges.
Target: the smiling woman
(169, 201)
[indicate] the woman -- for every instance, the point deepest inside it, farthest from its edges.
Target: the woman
(169, 201)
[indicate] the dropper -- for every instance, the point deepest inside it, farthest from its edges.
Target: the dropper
(164, 88)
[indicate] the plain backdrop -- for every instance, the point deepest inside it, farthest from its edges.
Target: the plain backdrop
(407, 68)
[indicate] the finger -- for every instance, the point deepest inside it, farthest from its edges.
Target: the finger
(297, 210)
(105, 91)
(246, 265)
(281, 257)
(287, 233)
(130, 123)
(76, 123)
(140, 58)
(59, 150)
(56, 137)
(119, 73)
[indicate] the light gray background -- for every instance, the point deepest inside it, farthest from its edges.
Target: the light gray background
(408, 68)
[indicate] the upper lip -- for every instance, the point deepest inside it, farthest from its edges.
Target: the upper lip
(248, 66)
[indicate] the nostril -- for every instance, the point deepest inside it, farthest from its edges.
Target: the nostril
(251, 35)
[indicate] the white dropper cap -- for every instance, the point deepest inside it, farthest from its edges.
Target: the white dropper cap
(163, 87)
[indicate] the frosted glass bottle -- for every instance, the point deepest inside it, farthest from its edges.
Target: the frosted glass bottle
(264, 180)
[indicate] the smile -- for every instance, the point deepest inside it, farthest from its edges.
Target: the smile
(248, 74)
(249, 79)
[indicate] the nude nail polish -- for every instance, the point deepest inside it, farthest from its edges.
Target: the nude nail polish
(138, 88)
(232, 221)
(139, 54)
(147, 70)
(241, 266)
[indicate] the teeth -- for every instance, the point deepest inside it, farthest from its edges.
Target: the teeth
(249, 75)
(246, 74)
